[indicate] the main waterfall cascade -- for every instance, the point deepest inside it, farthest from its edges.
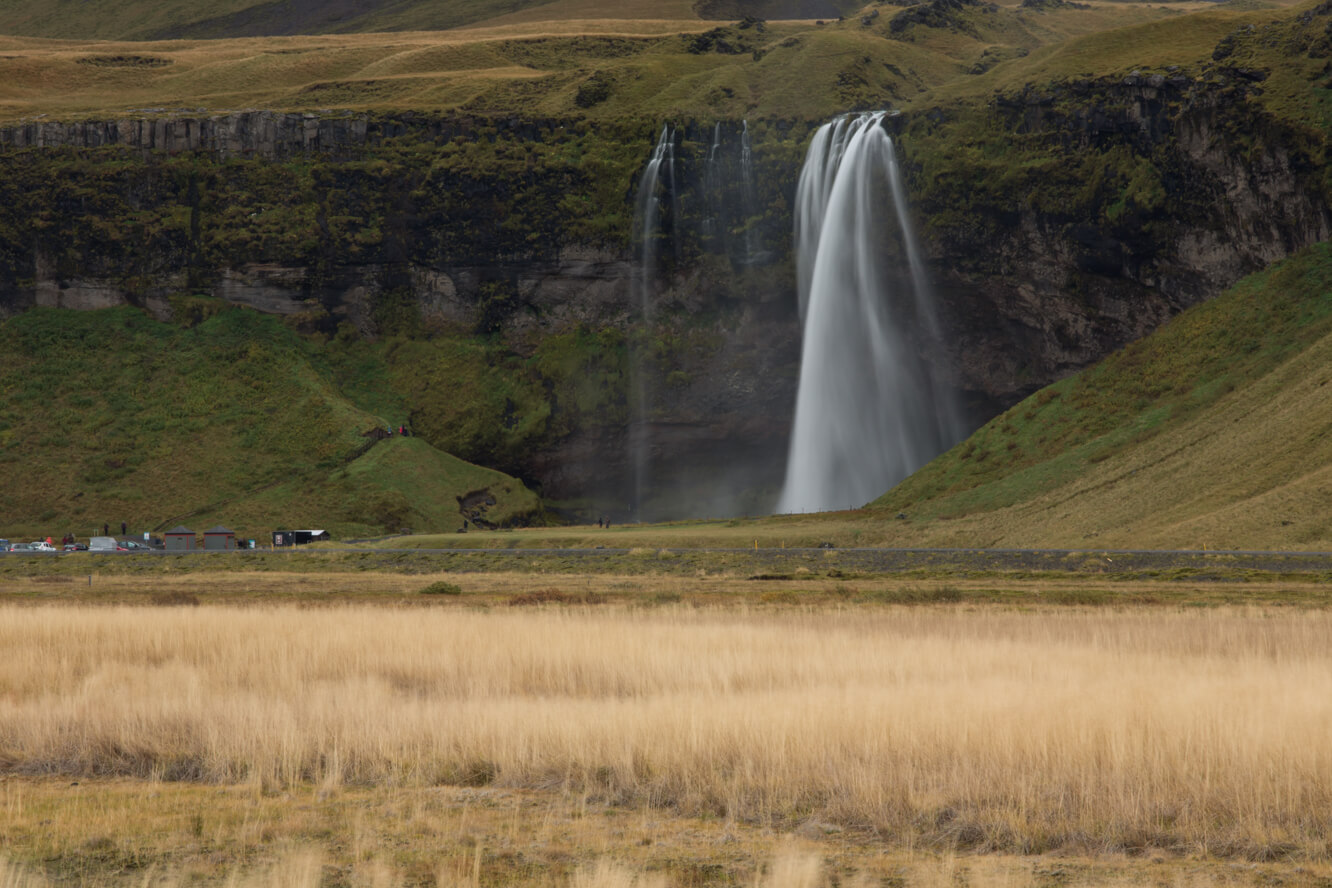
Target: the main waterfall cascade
(869, 408)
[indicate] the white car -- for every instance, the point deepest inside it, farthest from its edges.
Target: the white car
(41, 546)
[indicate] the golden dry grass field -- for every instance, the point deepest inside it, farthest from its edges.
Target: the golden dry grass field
(653, 730)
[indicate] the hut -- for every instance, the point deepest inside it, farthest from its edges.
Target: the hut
(219, 539)
(181, 539)
(298, 537)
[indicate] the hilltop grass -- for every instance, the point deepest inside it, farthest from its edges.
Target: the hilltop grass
(112, 20)
(650, 68)
(111, 416)
(1289, 51)
(1151, 410)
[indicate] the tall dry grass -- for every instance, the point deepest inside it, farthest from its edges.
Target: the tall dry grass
(1202, 731)
(301, 868)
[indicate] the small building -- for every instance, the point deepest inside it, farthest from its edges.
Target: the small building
(299, 537)
(219, 539)
(181, 539)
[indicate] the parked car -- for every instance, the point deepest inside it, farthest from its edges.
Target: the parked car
(102, 544)
(42, 546)
(4, 545)
(133, 546)
(20, 547)
(76, 547)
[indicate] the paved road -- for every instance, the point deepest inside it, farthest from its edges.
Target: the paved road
(868, 560)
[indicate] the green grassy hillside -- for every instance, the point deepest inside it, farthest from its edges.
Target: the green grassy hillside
(1214, 431)
(169, 19)
(601, 68)
(173, 19)
(1284, 49)
(110, 416)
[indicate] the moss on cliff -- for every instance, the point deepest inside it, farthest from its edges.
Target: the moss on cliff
(426, 190)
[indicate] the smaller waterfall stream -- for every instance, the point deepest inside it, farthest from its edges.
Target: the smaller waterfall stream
(748, 195)
(713, 182)
(869, 408)
(657, 196)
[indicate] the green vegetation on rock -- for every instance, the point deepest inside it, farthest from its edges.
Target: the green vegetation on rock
(111, 416)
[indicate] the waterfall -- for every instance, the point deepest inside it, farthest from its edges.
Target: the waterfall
(714, 226)
(869, 408)
(748, 196)
(812, 191)
(658, 177)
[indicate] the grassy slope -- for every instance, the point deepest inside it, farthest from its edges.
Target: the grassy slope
(140, 20)
(109, 416)
(1215, 431)
(1281, 42)
(118, 20)
(400, 482)
(651, 68)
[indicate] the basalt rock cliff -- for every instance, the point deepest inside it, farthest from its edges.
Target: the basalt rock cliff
(1115, 204)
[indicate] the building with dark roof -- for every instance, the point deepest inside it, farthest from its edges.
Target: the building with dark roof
(218, 539)
(181, 539)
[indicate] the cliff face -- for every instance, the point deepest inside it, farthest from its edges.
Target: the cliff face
(1115, 204)
(266, 133)
(1090, 213)
(495, 235)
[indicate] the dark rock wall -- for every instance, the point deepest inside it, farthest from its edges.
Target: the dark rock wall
(1110, 206)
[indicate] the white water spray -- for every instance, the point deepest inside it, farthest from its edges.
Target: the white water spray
(869, 408)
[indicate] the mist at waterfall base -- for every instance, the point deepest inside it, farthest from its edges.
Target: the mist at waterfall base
(870, 408)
